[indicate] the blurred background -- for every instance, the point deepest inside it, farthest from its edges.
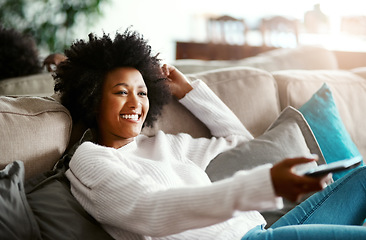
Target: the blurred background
(184, 28)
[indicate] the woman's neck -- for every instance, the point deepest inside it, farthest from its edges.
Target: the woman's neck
(114, 141)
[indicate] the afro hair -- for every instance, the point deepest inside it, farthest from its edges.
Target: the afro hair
(80, 78)
(18, 54)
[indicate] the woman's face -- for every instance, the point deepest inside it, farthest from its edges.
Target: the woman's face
(123, 107)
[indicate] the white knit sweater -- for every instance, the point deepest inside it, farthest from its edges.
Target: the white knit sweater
(156, 187)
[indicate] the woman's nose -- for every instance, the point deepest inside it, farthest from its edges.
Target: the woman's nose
(133, 101)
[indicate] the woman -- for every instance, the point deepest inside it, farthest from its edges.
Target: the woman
(141, 187)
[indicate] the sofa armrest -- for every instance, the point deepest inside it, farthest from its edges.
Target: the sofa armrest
(35, 130)
(33, 85)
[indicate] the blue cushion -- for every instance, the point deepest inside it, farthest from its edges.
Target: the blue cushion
(322, 115)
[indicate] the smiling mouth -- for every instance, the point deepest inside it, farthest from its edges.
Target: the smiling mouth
(134, 117)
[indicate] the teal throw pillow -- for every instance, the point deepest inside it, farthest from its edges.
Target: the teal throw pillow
(322, 115)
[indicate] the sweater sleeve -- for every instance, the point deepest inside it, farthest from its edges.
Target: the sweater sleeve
(226, 128)
(209, 108)
(117, 196)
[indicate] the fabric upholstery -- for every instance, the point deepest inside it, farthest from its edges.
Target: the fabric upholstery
(33, 85)
(42, 207)
(323, 117)
(57, 213)
(250, 93)
(289, 136)
(16, 219)
(35, 130)
(302, 57)
(361, 71)
(295, 87)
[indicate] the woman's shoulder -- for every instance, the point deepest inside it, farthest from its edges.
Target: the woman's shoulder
(90, 150)
(161, 136)
(89, 156)
(90, 146)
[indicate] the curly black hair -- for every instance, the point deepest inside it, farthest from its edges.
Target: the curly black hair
(18, 54)
(80, 78)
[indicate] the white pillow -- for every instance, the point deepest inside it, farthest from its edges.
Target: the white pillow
(289, 136)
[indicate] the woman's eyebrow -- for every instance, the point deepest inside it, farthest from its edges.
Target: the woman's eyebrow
(126, 85)
(121, 84)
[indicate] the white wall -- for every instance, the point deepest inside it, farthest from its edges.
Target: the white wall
(163, 22)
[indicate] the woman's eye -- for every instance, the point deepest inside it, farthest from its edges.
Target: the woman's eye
(122, 92)
(143, 93)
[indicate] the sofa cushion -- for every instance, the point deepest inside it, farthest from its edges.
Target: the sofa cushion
(16, 219)
(302, 57)
(289, 136)
(42, 207)
(58, 214)
(323, 117)
(35, 130)
(361, 71)
(296, 87)
(250, 93)
(33, 85)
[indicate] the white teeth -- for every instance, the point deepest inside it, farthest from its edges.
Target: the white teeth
(130, 116)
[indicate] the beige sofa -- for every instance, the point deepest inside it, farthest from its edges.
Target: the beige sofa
(302, 57)
(36, 129)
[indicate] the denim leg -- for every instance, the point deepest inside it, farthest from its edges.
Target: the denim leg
(343, 202)
(308, 232)
(328, 214)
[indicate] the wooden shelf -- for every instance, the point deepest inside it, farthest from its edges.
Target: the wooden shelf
(212, 51)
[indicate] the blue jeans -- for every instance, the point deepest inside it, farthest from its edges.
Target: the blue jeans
(337, 212)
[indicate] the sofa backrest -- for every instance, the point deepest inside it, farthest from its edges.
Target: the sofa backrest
(250, 93)
(302, 57)
(296, 87)
(33, 85)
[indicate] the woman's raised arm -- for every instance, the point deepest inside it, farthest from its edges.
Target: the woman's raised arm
(178, 83)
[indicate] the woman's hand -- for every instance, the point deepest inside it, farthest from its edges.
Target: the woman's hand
(52, 60)
(177, 82)
(291, 186)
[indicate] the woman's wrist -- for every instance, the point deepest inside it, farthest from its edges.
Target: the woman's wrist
(184, 89)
